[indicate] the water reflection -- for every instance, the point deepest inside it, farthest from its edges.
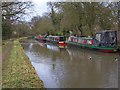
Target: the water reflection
(73, 67)
(52, 47)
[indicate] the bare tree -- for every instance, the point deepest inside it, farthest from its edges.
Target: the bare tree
(13, 12)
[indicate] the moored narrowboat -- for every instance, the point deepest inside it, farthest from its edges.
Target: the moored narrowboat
(105, 41)
(40, 38)
(59, 40)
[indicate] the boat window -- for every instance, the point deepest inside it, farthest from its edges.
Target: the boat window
(98, 37)
(62, 39)
(112, 34)
(113, 39)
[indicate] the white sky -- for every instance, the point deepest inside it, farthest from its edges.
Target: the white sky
(39, 8)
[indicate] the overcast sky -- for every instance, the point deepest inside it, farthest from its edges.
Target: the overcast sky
(39, 8)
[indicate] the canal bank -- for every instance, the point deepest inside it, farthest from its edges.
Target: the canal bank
(17, 71)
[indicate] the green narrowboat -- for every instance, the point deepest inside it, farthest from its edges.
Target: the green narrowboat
(105, 41)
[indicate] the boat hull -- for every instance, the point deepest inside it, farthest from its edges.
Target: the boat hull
(102, 49)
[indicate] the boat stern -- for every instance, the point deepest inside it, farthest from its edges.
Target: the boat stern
(62, 44)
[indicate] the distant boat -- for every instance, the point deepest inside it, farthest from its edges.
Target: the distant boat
(40, 38)
(105, 41)
(59, 40)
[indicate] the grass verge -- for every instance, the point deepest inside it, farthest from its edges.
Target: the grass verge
(17, 71)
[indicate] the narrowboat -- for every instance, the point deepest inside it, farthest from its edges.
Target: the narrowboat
(59, 40)
(40, 38)
(105, 41)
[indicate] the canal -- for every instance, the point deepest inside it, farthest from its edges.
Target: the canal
(72, 67)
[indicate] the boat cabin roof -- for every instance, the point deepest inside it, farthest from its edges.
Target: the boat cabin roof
(106, 31)
(55, 36)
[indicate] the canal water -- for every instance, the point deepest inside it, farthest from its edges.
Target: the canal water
(72, 67)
